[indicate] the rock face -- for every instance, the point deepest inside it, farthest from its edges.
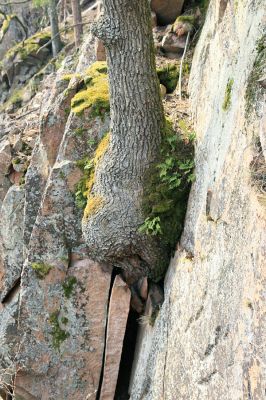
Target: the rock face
(209, 339)
(167, 10)
(117, 320)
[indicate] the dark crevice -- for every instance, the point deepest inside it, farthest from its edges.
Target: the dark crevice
(11, 293)
(116, 271)
(127, 358)
(207, 378)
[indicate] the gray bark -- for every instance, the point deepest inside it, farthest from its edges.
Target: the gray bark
(77, 21)
(56, 39)
(137, 121)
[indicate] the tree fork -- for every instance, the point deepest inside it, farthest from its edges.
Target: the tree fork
(137, 122)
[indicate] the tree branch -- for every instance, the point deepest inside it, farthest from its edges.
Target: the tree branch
(181, 67)
(61, 30)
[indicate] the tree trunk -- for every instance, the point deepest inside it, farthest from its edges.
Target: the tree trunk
(77, 19)
(137, 121)
(56, 39)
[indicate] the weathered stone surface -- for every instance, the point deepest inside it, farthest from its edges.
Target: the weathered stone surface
(11, 239)
(208, 341)
(14, 34)
(171, 43)
(5, 161)
(117, 320)
(100, 50)
(167, 10)
(74, 371)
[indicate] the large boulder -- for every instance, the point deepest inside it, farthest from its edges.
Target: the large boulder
(167, 10)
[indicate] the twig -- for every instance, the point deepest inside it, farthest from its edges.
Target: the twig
(181, 67)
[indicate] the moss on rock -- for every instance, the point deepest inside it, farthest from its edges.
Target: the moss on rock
(228, 94)
(69, 285)
(59, 335)
(28, 47)
(96, 95)
(41, 269)
(168, 76)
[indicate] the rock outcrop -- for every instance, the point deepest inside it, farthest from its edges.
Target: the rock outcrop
(167, 10)
(209, 339)
(66, 320)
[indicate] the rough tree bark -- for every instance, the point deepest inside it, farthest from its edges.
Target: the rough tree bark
(137, 121)
(56, 39)
(77, 21)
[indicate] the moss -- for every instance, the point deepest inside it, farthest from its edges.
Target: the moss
(167, 187)
(101, 148)
(59, 335)
(228, 94)
(168, 76)
(68, 286)
(29, 46)
(188, 19)
(94, 203)
(81, 192)
(6, 24)
(68, 77)
(85, 184)
(96, 95)
(41, 269)
(254, 92)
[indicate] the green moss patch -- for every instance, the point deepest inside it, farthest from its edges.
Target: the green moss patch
(59, 335)
(228, 95)
(96, 95)
(168, 184)
(28, 47)
(168, 76)
(69, 285)
(84, 200)
(41, 269)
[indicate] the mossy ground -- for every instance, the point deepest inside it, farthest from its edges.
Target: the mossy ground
(96, 95)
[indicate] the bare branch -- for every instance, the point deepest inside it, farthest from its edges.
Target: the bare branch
(181, 67)
(61, 30)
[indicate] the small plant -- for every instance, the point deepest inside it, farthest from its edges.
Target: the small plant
(41, 269)
(151, 226)
(167, 185)
(68, 286)
(79, 131)
(168, 76)
(59, 335)
(228, 94)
